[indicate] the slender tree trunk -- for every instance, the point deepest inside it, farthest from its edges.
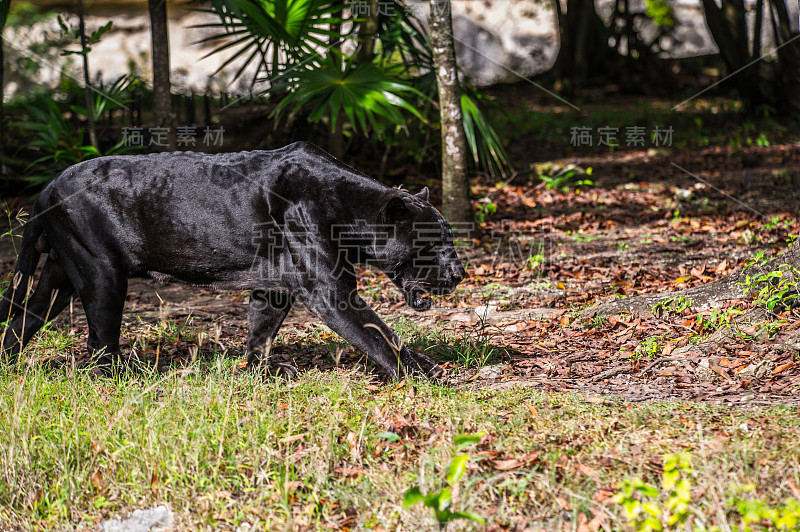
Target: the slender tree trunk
(162, 98)
(367, 33)
(455, 186)
(728, 26)
(757, 28)
(788, 98)
(2, 87)
(336, 138)
(4, 9)
(87, 89)
(583, 41)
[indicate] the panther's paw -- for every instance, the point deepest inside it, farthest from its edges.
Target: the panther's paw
(114, 365)
(279, 369)
(419, 364)
(274, 369)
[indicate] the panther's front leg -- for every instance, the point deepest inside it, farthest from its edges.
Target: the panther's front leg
(349, 316)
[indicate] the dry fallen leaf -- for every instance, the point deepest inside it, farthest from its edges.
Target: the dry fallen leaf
(507, 465)
(587, 471)
(290, 439)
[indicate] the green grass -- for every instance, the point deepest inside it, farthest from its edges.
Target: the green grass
(222, 449)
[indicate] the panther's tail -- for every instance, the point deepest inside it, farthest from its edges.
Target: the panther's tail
(33, 244)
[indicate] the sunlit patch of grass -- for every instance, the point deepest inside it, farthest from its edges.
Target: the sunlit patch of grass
(55, 339)
(468, 349)
(223, 449)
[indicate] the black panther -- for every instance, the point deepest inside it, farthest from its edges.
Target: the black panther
(288, 224)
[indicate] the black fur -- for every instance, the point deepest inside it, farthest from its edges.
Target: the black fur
(287, 224)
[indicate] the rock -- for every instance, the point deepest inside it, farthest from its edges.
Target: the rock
(791, 344)
(757, 371)
(485, 311)
(159, 519)
(491, 372)
(496, 42)
(703, 371)
(748, 237)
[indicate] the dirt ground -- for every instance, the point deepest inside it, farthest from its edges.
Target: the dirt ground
(645, 226)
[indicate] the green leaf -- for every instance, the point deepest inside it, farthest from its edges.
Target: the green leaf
(468, 515)
(279, 32)
(484, 143)
(647, 490)
(412, 497)
(369, 96)
(463, 440)
(99, 32)
(457, 468)
(388, 436)
(439, 501)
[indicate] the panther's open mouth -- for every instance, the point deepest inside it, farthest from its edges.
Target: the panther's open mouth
(419, 299)
(417, 295)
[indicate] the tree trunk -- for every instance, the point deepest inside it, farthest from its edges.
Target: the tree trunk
(336, 137)
(162, 98)
(583, 39)
(706, 296)
(728, 27)
(87, 89)
(4, 9)
(367, 33)
(788, 97)
(2, 87)
(455, 186)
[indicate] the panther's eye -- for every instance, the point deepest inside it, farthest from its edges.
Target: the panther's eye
(431, 244)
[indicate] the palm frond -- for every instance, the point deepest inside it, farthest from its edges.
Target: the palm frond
(484, 143)
(269, 30)
(368, 95)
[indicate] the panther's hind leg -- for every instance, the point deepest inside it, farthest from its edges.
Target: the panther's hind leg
(265, 314)
(52, 294)
(102, 288)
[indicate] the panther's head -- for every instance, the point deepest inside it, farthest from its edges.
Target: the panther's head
(417, 252)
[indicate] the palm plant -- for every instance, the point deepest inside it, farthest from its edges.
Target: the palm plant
(484, 143)
(369, 96)
(287, 38)
(275, 33)
(60, 143)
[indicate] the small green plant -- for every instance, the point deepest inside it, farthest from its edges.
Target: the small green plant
(441, 501)
(660, 12)
(649, 508)
(671, 305)
(717, 319)
(485, 209)
(776, 289)
(472, 350)
(645, 506)
(762, 140)
(683, 239)
(771, 224)
(649, 348)
(785, 516)
(566, 181)
(580, 236)
(534, 262)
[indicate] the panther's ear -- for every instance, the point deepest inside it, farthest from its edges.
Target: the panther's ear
(394, 210)
(423, 194)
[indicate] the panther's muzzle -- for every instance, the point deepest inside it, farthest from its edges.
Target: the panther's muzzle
(418, 293)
